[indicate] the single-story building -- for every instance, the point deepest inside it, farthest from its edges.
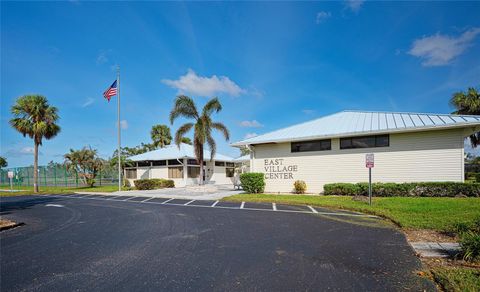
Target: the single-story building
(407, 147)
(180, 165)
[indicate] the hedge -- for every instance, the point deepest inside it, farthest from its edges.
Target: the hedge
(420, 189)
(253, 182)
(154, 183)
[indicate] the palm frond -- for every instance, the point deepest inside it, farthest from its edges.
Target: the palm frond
(212, 145)
(213, 105)
(181, 132)
(223, 129)
(184, 107)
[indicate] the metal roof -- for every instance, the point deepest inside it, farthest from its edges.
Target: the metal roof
(173, 152)
(355, 123)
(243, 158)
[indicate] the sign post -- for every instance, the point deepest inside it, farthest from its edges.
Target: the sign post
(369, 163)
(10, 176)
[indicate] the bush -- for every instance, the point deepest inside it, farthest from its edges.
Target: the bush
(341, 189)
(126, 183)
(154, 183)
(470, 245)
(300, 187)
(253, 182)
(421, 189)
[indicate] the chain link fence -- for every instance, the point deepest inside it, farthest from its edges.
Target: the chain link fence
(57, 175)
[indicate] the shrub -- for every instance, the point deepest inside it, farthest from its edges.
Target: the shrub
(253, 182)
(144, 184)
(154, 183)
(470, 245)
(420, 189)
(477, 177)
(126, 183)
(300, 187)
(341, 189)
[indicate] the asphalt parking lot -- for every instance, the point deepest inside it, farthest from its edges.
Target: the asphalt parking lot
(109, 243)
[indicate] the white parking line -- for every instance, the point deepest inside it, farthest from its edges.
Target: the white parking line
(167, 201)
(242, 206)
(114, 197)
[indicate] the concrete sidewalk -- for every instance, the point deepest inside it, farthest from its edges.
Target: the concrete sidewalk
(207, 192)
(436, 249)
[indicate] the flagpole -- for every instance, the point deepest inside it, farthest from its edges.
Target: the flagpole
(119, 130)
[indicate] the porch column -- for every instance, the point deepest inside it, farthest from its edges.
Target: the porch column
(185, 169)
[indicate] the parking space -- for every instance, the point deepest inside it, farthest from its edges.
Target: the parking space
(220, 204)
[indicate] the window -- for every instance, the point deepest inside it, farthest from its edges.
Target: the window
(143, 163)
(131, 173)
(230, 164)
(174, 162)
(365, 142)
(317, 145)
(193, 172)
(219, 163)
(159, 162)
(192, 162)
(175, 172)
(230, 172)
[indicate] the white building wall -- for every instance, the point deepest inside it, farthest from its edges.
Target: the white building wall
(411, 157)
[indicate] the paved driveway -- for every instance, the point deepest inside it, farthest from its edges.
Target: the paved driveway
(102, 243)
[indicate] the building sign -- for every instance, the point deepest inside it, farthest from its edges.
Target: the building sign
(369, 160)
(278, 169)
(10, 174)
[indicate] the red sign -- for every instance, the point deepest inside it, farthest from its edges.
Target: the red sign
(369, 160)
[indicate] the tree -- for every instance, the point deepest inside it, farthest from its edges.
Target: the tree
(161, 136)
(203, 126)
(468, 103)
(187, 140)
(33, 116)
(3, 162)
(244, 151)
(85, 162)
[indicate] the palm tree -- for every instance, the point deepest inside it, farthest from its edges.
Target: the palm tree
(33, 116)
(468, 103)
(203, 125)
(161, 136)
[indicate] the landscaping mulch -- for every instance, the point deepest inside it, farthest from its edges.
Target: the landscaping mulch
(8, 224)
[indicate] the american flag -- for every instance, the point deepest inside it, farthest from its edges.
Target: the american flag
(111, 91)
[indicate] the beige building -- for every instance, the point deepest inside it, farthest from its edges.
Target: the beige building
(407, 147)
(180, 165)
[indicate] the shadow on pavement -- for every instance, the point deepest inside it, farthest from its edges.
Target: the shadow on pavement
(9, 204)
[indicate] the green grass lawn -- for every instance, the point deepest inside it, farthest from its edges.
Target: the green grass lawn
(56, 190)
(439, 214)
(457, 279)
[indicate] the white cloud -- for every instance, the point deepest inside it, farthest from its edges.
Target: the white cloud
(88, 102)
(102, 56)
(354, 5)
(251, 124)
(24, 151)
(323, 16)
(124, 124)
(191, 83)
(439, 50)
(27, 150)
(250, 135)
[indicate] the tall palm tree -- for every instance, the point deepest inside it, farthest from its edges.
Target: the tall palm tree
(161, 136)
(33, 116)
(468, 103)
(202, 126)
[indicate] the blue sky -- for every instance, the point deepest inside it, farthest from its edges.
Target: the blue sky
(271, 64)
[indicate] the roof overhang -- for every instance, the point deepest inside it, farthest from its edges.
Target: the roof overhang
(469, 127)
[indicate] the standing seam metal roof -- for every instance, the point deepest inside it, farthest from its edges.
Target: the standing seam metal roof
(352, 123)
